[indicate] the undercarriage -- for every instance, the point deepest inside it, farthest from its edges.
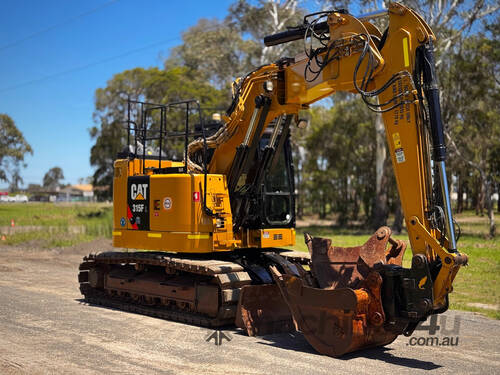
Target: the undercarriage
(195, 289)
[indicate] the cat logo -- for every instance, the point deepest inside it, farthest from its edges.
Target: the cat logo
(139, 192)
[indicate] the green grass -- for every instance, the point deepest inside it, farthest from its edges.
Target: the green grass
(56, 225)
(476, 283)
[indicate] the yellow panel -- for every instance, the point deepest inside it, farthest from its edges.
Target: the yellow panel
(275, 237)
(176, 210)
(138, 167)
(176, 218)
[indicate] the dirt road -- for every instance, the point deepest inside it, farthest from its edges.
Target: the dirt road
(46, 329)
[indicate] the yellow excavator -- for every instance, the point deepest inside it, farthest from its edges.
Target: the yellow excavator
(207, 224)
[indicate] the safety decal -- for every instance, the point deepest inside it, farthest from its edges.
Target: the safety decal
(400, 155)
(156, 204)
(167, 203)
(397, 140)
(406, 56)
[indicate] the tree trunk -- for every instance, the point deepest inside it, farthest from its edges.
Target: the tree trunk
(397, 225)
(379, 212)
(460, 193)
(491, 218)
(322, 211)
(479, 194)
(466, 200)
(482, 195)
(489, 207)
(498, 198)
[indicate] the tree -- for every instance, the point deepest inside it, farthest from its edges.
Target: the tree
(152, 85)
(475, 129)
(264, 18)
(339, 162)
(16, 180)
(51, 179)
(451, 21)
(214, 51)
(220, 51)
(13, 149)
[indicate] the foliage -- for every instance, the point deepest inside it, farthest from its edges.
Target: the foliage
(13, 149)
(467, 69)
(52, 178)
(263, 18)
(340, 156)
(220, 51)
(214, 51)
(476, 96)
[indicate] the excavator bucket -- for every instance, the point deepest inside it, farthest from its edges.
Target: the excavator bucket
(341, 311)
(263, 311)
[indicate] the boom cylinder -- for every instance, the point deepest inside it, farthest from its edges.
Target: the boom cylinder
(431, 91)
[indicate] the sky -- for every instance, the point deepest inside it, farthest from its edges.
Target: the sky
(54, 54)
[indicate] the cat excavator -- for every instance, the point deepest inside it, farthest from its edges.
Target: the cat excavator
(203, 227)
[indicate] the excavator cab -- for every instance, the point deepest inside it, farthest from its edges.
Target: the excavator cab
(273, 204)
(278, 189)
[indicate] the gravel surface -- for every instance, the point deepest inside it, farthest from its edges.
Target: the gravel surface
(45, 328)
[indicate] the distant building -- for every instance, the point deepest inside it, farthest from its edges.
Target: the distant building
(76, 193)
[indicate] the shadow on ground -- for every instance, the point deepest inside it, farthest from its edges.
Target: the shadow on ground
(296, 341)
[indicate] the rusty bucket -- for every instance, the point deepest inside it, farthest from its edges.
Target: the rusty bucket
(263, 311)
(341, 310)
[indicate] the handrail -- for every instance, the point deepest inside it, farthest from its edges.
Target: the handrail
(141, 133)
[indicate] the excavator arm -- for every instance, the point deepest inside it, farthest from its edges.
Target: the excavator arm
(394, 74)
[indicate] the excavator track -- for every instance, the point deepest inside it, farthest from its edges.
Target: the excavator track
(213, 286)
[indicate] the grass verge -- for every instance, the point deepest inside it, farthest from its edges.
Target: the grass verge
(54, 225)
